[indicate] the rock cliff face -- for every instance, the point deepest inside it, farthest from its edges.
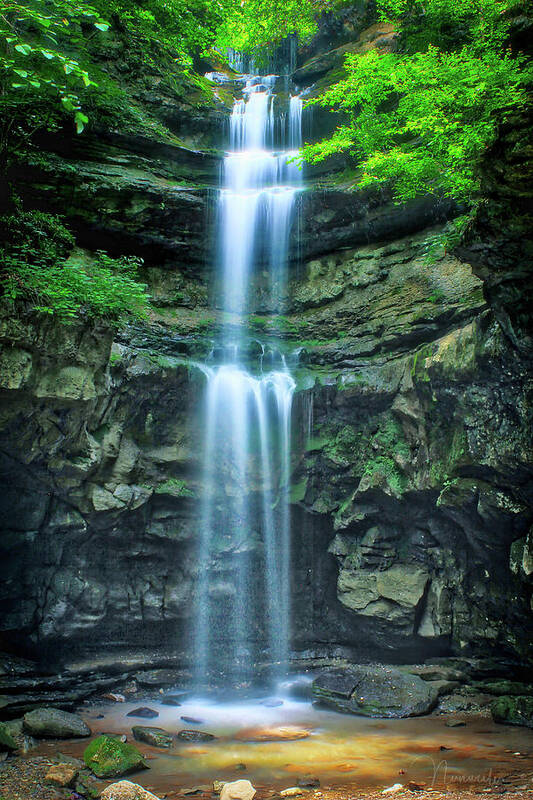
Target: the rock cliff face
(412, 465)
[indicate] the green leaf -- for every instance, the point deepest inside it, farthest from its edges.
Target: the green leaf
(21, 72)
(80, 120)
(25, 49)
(102, 26)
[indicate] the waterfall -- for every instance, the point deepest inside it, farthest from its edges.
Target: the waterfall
(246, 416)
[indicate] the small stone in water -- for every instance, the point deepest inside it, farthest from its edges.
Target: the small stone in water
(455, 723)
(116, 698)
(292, 791)
(240, 767)
(196, 736)
(193, 720)
(396, 787)
(308, 781)
(170, 700)
(143, 712)
(217, 786)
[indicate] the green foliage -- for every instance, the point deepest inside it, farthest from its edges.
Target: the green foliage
(33, 250)
(422, 120)
(255, 23)
(184, 27)
(39, 76)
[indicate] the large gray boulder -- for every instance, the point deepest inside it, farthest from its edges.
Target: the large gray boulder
(375, 691)
(51, 723)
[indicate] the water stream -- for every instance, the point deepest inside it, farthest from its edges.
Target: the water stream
(247, 415)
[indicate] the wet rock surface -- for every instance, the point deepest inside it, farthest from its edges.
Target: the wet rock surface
(156, 737)
(375, 691)
(52, 723)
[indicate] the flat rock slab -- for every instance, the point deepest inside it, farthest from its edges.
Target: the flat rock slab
(375, 691)
(51, 723)
(156, 737)
(283, 733)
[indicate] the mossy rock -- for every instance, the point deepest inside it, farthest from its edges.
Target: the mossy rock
(516, 710)
(7, 742)
(156, 737)
(110, 758)
(505, 687)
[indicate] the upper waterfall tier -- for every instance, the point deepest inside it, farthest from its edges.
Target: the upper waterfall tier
(256, 201)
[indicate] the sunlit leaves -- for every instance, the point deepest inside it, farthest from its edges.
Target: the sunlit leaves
(422, 122)
(36, 36)
(254, 23)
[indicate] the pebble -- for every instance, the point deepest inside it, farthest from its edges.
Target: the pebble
(396, 787)
(237, 790)
(61, 775)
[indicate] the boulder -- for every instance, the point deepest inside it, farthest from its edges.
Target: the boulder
(125, 790)
(513, 710)
(110, 758)
(52, 723)
(375, 691)
(237, 790)
(7, 742)
(156, 737)
(62, 775)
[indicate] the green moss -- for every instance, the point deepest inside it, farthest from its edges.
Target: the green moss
(7, 741)
(418, 371)
(297, 492)
(110, 758)
(387, 468)
(517, 710)
(454, 448)
(174, 487)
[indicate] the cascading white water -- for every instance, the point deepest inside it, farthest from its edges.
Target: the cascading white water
(247, 445)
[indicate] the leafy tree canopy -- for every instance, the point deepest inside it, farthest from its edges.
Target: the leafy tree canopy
(254, 23)
(422, 119)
